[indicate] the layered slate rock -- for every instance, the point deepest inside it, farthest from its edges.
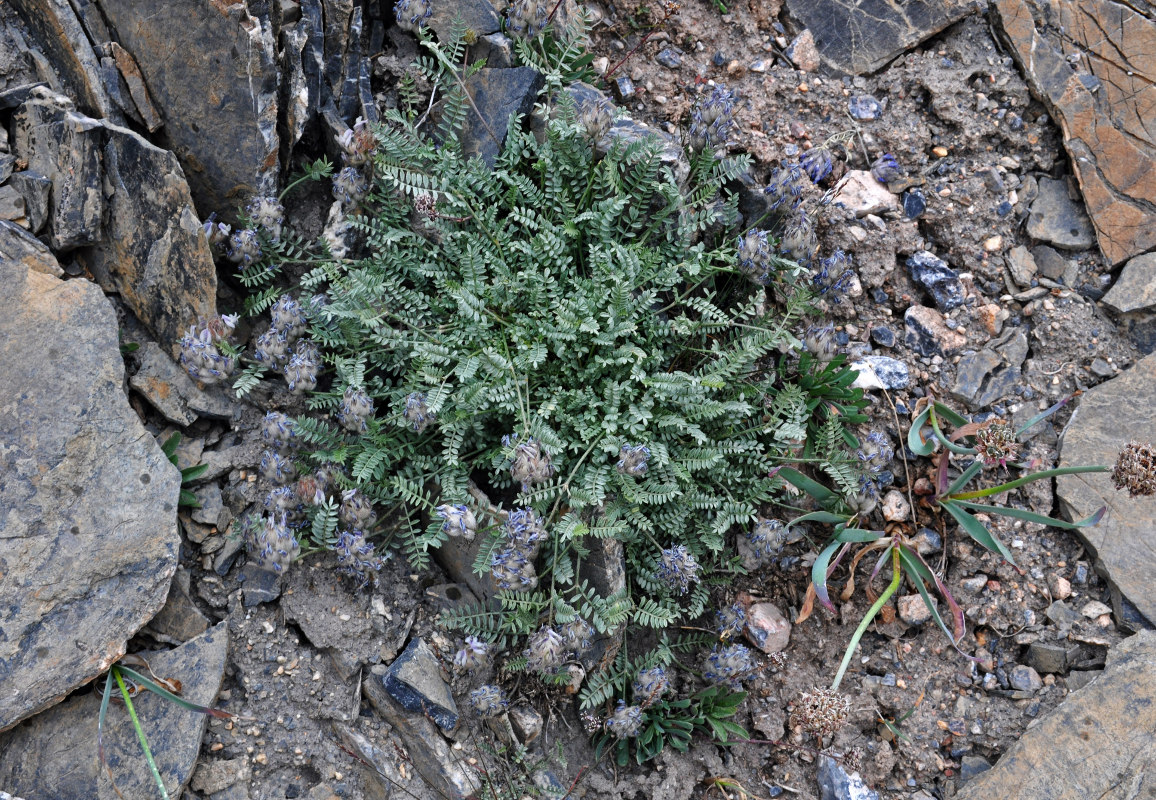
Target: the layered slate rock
(497, 94)
(863, 37)
(210, 70)
(1092, 63)
(88, 527)
(54, 754)
(1124, 542)
(1100, 742)
(153, 252)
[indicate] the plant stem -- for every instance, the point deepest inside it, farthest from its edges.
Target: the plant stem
(896, 576)
(140, 735)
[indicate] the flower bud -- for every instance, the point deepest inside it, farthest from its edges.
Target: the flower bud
(625, 722)
(728, 665)
(632, 460)
(279, 432)
(244, 247)
(488, 700)
(357, 143)
(412, 14)
(595, 118)
(458, 521)
(650, 685)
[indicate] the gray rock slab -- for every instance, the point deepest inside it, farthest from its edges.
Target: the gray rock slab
(1058, 219)
(37, 192)
(180, 620)
(64, 146)
(497, 93)
(88, 526)
(11, 203)
(414, 680)
(863, 37)
(835, 783)
(171, 391)
(1100, 742)
(18, 246)
(477, 15)
(210, 70)
(1107, 417)
(54, 754)
(153, 253)
(880, 372)
(1135, 289)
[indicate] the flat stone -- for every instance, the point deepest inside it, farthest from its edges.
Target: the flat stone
(310, 597)
(768, 628)
(1078, 679)
(1058, 219)
(497, 94)
(378, 766)
(64, 146)
(971, 766)
(1021, 265)
(171, 391)
(477, 15)
(414, 681)
(928, 335)
(880, 372)
(1047, 657)
(864, 107)
(11, 203)
(1125, 539)
(18, 246)
(212, 75)
(154, 253)
(211, 504)
(971, 372)
(180, 620)
(913, 610)
(1025, 679)
(216, 776)
(1051, 264)
(36, 191)
(1135, 289)
(7, 165)
(835, 783)
(1103, 104)
(940, 280)
(1099, 742)
(856, 38)
(88, 501)
(54, 754)
(260, 585)
(863, 195)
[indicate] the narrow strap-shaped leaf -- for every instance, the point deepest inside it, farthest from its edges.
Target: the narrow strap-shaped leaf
(977, 530)
(1035, 476)
(803, 483)
(915, 442)
(819, 573)
(115, 671)
(965, 476)
(818, 516)
(857, 535)
(914, 562)
(949, 414)
(156, 688)
(1031, 516)
(1040, 417)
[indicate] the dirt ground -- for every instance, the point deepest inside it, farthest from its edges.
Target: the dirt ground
(959, 119)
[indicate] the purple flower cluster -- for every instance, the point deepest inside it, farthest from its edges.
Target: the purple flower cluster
(200, 350)
(474, 654)
(512, 564)
(768, 537)
(350, 186)
(243, 247)
(886, 169)
(488, 700)
(595, 119)
(531, 464)
(833, 276)
(357, 510)
(728, 665)
(754, 256)
(417, 412)
(525, 19)
(711, 121)
(731, 621)
(412, 14)
(356, 409)
(268, 214)
(274, 546)
(578, 634)
(632, 460)
(797, 237)
(786, 187)
(458, 520)
(677, 569)
(357, 143)
(820, 342)
(817, 163)
(545, 651)
(625, 722)
(650, 685)
(355, 557)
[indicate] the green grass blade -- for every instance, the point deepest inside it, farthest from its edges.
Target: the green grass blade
(857, 535)
(819, 573)
(977, 530)
(818, 516)
(156, 688)
(965, 476)
(912, 567)
(803, 483)
(140, 734)
(1031, 516)
(1040, 417)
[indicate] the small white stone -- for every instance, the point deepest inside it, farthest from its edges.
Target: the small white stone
(895, 506)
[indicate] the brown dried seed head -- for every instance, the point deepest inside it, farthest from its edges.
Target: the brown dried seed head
(820, 711)
(1135, 469)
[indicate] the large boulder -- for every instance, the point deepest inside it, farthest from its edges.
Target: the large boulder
(88, 528)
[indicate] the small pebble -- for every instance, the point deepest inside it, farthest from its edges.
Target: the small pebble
(939, 152)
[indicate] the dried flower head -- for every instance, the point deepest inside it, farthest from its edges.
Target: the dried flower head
(474, 654)
(417, 412)
(267, 214)
(531, 464)
(768, 537)
(350, 186)
(458, 520)
(886, 169)
(677, 569)
(650, 685)
(625, 722)
(488, 700)
(425, 205)
(820, 711)
(1135, 469)
(632, 460)
(817, 163)
(357, 510)
(729, 665)
(545, 651)
(412, 14)
(731, 621)
(310, 490)
(820, 342)
(595, 119)
(357, 143)
(355, 557)
(996, 443)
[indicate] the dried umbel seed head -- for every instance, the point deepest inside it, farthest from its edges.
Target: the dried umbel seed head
(277, 469)
(279, 432)
(817, 163)
(310, 490)
(202, 359)
(625, 722)
(474, 654)
(488, 700)
(754, 256)
(412, 14)
(243, 247)
(357, 143)
(531, 463)
(289, 318)
(820, 342)
(797, 238)
(728, 665)
(711, 121)
(545, 651)
(272, 349)
(632, 460)
(875, 452)
(458, 520)
(356, 409)
(425, 205)
(275, 546)
(350, 186)
(267, 214)
(731, 621)
(595, 118)
(590, 722)
(357, 510)
(820, 711)
(833, 276)
(650, 685)
(786, 187)
(417, 412)
(995, 443)
(513, 570)
(677, 569)
(768, 537)
(886, 169)
(525, 19)
(524, 531)
(1135, 469)
(578, 634)
(355, 557)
